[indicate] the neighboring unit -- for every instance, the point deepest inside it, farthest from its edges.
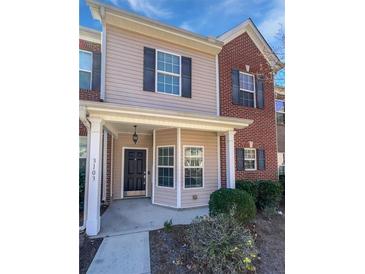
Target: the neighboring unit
(280, 126)
(158, 120)
(246, 68)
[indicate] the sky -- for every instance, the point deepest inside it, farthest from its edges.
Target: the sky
(205, 17)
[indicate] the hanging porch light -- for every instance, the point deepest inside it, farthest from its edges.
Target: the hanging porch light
(135, 135)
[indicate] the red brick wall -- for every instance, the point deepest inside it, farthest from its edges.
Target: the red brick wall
(237, 54)
(82, 129)
(85, 94)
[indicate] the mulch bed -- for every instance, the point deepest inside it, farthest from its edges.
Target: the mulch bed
(87, 250)
(169, 252)
(88, 247)
(270, 242)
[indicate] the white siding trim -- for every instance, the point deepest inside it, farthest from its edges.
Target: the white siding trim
(178, 167)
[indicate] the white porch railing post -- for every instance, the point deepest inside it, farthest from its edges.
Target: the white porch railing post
(230, 159)
(94, 189)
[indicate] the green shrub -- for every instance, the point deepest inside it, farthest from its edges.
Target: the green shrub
(81, 189)
(250, 187)
(282, 183)
(269, 194)
(168, 225)
(223, 200)
(221, 245)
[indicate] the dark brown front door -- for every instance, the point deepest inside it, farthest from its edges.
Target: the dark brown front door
(134, 172)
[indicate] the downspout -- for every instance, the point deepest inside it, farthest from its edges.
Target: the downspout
(87, 124)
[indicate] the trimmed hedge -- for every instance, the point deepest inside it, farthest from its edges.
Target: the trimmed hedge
(249, 186)
(265, 193)
(224, 200)
(269, 194)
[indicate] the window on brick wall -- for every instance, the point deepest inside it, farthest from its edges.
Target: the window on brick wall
(250, 158)
(85, 69)
(280, 111)
(247, 96)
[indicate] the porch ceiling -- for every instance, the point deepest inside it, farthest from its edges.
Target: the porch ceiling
(123, 115)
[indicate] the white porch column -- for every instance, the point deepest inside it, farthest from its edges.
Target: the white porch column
(153, 164)
(230, 159)
(178, 168)
(94, 190)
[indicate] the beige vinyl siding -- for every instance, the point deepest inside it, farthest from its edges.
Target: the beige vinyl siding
(210, 171)
(124, 74)
(125, 140)
(164, 195)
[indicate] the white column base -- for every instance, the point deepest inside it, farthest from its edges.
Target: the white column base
(93, 227)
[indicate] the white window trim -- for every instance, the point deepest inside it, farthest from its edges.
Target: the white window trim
(173, 167)
(203, 166)
(284, 106)
(251, 91)
(165, 72)
(91, 71)
(250, 159)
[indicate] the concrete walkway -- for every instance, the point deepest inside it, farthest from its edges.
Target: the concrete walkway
(123, 254)
(136, 215)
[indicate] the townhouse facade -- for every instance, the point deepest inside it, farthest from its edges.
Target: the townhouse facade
(155, 118)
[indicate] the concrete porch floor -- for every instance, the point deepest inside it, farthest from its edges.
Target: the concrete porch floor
(139, 214)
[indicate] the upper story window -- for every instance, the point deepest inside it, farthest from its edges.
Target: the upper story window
(85, 69)
(247, 96)
(168, 73)
(280, 111)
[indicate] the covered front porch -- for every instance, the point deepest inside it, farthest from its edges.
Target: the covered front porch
(139, 214)
(174, 164)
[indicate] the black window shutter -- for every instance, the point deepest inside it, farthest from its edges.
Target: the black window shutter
(96, 73)
(261, 159)
(149, 68)
(235, 86)
(240, 159)
(186, 77)
(260, 102)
